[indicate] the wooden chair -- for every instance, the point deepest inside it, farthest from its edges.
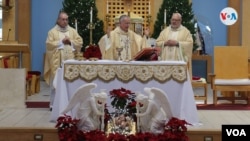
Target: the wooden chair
(32, 83)
(35, 81)
(202, 82)
(203, 85)
(230, 72)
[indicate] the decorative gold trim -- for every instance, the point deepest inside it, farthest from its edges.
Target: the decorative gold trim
(125, 72)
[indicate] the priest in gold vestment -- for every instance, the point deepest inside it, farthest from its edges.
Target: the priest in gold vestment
(122, 37)
(176, 42)
(61, 44)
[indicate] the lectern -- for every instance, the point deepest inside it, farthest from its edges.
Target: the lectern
(14, 47)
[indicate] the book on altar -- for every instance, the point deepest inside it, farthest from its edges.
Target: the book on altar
(148, 54)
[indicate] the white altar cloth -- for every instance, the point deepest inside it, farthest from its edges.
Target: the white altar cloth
(180, 94)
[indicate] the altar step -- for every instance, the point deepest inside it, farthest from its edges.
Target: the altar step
(49, 134)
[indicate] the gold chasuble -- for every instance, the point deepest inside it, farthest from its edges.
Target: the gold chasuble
(178, 53)
(131, 43)
(57, 52)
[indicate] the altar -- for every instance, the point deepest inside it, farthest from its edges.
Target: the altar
(170, 76)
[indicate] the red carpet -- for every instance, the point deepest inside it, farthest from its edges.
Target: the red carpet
(37, 104)
(223, 107)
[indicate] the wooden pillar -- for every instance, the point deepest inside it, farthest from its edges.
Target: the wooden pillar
(245, 24)
(23, 25)
(234, 31)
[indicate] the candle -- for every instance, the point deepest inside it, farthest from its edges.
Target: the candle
(76, 25)
(107, 7)
(91, 15)
(7, 2)
(165, 16)
(149, 8)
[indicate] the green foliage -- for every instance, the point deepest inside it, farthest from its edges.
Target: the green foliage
(172, 6)
(80, 10)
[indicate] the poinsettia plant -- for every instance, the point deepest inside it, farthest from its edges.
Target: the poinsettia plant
(67, 128)
(92, 51)
(175, 130)
(121, 98)
(131, 106)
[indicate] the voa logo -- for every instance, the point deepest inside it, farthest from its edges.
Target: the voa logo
(228, 16)
(236, 132)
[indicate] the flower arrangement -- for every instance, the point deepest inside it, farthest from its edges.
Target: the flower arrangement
(123, 118)
(175, 130)
(120, 125)
(67, 128)
(92, 51)
(122, 98)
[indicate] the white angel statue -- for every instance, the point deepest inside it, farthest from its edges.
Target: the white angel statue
(90, 107)
(153, 110)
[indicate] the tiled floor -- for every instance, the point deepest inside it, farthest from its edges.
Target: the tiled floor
(39, 117)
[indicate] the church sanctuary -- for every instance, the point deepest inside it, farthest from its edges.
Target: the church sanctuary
(124, 70)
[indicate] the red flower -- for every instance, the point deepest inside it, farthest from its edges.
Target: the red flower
(175, 129)
(120, 93)
(94, 135)
(116, 137)
(121, 97)
(132, 104)
(92, 51)
(68, 131)
(67, 128)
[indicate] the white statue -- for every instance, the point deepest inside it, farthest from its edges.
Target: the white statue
(90, 107)
(153, 110)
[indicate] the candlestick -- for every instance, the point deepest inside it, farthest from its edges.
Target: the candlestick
(91, 26)
(165, 16)
(149, 8)
(91, 14)
(76, 25)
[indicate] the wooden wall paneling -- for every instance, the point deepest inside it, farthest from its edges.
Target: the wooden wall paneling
(234, 31)
(245, 24)
(8, 21)
(23, 25)
(18, 21)
(141, 6)
(115, 8)
(238, 33)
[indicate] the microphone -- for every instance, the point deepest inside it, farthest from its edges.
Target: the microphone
(8, 35)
